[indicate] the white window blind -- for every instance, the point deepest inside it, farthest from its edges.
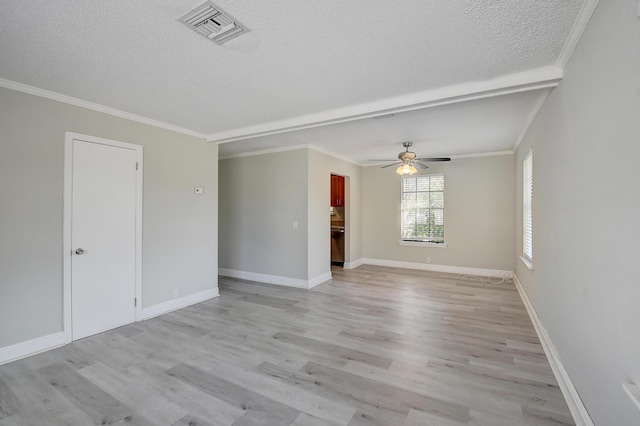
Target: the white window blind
(423, 208)
(527, 199)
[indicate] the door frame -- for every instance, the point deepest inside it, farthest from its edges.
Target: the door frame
(347, 220)
(67, 222)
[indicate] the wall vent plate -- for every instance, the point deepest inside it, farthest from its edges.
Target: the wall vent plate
(212, 22)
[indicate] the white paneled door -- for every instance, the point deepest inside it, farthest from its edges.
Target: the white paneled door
(104, 209)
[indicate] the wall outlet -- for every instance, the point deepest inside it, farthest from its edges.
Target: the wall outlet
(295, 225)
(428, 260)
(175, 292)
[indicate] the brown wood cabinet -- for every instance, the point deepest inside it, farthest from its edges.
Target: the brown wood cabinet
(337, 191)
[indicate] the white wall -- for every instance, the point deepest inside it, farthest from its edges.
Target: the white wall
(479, 215)
(585, 285)
(179, 229)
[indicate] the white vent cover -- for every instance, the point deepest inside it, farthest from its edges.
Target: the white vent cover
(213, 23)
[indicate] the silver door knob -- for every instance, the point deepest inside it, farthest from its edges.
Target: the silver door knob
(79, 251)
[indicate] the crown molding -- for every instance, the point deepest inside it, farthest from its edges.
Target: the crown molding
(576, 32)
(482, 154)
(54, 96)
(453, 157)
(291, 148)
(346, 159)
(532, 115)
(333, 154)
(588, 7)
(537, 79)
(265, 151)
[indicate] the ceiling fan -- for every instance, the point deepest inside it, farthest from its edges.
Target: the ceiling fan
(408, 161)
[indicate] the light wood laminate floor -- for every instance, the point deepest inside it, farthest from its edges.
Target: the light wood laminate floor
(374, 346)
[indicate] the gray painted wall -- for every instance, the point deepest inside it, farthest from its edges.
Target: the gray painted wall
(260, 198)
(479, 215)
(179, 229)
(585, 286)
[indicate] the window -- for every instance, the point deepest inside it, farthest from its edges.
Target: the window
(423, 208)
(527, 217)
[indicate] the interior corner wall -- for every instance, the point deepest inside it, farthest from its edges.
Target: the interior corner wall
(585, 285)
(479, 215)
(321, 166)
(179, 228)
(261, 197)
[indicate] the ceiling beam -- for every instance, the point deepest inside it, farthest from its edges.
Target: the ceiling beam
(537, 79)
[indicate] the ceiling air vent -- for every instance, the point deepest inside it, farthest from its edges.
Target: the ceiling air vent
(213, 23)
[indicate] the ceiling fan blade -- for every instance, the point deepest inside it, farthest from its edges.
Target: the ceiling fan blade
(390, 165)
(420, 165)
(434, 159)
(386, 160)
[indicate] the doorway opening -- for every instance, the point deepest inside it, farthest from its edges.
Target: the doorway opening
(338, 220)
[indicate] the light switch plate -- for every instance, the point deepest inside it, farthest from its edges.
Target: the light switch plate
(198, 190)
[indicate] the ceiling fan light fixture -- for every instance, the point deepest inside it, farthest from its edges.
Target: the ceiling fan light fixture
(406, 169)
(407, 161)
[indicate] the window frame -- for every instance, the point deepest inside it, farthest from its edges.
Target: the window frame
(527, 210)
(417, 241)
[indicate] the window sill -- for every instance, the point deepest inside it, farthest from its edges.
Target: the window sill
(527, 262)
(421, 244)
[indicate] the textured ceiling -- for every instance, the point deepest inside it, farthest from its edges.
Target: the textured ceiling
(300, 58)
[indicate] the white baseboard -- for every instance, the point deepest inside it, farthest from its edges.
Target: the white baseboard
(264, 278)
(31, 347)
(440, 268)
(275, 279)
(319, 279)
(175, 304)
(353, 265)
(577, 408)
(56, 340)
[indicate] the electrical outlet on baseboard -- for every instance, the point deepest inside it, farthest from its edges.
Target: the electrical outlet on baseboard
(428, 260)
(175, 292)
